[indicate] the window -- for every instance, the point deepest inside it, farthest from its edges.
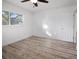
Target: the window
(11, 18)
(5, 17)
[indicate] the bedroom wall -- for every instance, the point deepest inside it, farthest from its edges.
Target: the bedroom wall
(13, 33)
(56, 23)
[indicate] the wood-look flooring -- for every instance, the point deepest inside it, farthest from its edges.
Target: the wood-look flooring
(40, 48)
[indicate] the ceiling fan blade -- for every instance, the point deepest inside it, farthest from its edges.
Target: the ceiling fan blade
(24, 0)
(44, 1)
(35, 4)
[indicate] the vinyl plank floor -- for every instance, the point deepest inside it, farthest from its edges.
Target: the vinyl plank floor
(40, 48)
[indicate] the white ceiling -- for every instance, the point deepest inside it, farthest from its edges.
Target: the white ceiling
(42, 6)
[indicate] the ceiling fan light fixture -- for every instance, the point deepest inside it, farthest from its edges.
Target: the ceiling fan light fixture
(33, 1)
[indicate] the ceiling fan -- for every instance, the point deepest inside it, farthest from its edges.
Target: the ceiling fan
(35, 2)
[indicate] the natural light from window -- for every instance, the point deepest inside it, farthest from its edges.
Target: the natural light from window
(45, 26)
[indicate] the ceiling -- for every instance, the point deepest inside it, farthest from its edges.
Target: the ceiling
(43, 6)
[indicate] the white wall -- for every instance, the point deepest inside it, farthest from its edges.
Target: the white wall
(13, 33)
(59, 22)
